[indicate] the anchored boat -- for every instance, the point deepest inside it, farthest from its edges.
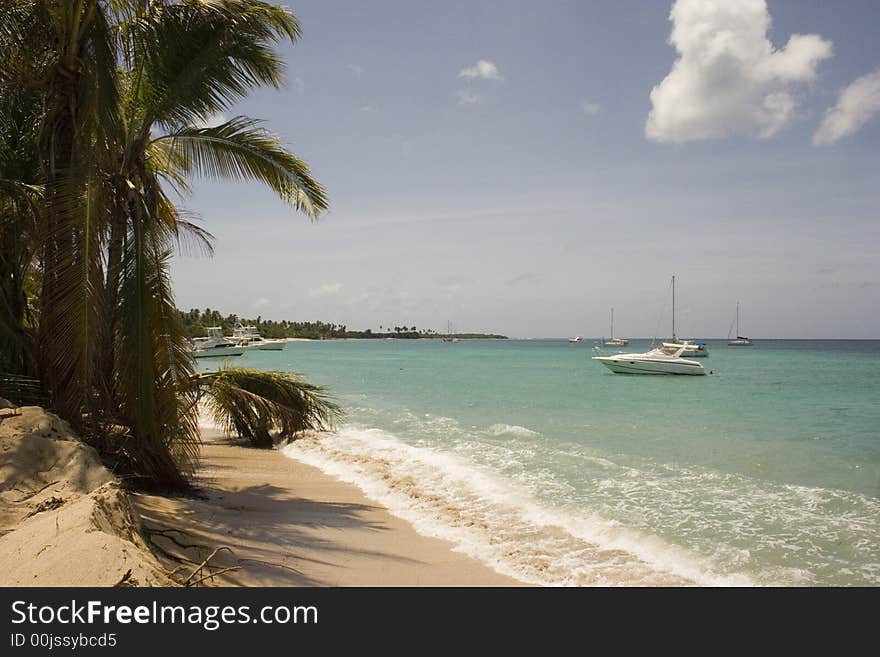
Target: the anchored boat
(656, 361)
(215, 345)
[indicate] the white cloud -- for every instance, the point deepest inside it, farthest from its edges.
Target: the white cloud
(468, 98)
(369, 108)
(855, 106)
(590, 108)
(357, 70)
(326, 290)
(728, 77)
(482, 69)
(262, 302)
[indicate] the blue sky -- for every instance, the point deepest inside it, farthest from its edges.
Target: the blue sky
(505, 166)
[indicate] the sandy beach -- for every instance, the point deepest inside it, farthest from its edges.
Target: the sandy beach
(289, 524)
(254, 518)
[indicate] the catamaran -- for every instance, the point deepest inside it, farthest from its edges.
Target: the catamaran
(740, 341)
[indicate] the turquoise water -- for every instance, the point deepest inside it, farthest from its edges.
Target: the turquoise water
(542, 463)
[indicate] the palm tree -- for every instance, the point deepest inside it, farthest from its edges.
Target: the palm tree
(20, 203)
(125, 88)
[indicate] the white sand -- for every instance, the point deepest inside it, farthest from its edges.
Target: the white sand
(65, 521)
(289, 524)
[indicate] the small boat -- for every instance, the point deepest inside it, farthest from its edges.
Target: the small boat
(449, 337)
(612, 341)
(690, 348)
(740, 341)
(656, 361)
(577, 338)
(216, 346)
(250, 338)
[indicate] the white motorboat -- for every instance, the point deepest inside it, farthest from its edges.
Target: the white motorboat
(740, 341)
(612, 341)
(216, 346)
(656, 361)
(250, 338)
(577, 338)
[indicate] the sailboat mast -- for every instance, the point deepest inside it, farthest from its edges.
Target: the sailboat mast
(612, 322)
(737, 320)
(673, 308)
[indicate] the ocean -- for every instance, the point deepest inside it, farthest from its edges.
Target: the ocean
(532, 458)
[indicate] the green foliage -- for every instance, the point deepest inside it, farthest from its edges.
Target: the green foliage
(102, 113)
(253, 404)
(195, 323)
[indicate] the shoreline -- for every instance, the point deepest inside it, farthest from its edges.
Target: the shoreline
(290, 524)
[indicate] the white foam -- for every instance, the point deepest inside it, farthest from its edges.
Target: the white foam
(513, 430)
(498, 521)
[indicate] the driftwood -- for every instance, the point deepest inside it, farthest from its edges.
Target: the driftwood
(202, 571)
(188, 580)
(214, 574)
(183, 561)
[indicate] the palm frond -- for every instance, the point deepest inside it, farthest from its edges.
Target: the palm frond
(153, 363)
(255, 403)
(201, 57)
(240, 150)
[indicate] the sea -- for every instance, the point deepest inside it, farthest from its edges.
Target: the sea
(538, 461)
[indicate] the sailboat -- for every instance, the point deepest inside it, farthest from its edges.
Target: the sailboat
(740, 341)
(691, 348)
(612, 341)
(449, 337)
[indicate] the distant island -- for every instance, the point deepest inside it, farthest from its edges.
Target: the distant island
(196, 323)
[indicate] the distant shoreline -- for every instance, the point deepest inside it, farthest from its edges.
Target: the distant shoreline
(380, 336)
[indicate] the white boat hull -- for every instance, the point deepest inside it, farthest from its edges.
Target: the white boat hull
(218, 352)
(616, 342)
(639, 364)
(271, 345)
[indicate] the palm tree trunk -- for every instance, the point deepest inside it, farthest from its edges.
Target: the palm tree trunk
(115, 248)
